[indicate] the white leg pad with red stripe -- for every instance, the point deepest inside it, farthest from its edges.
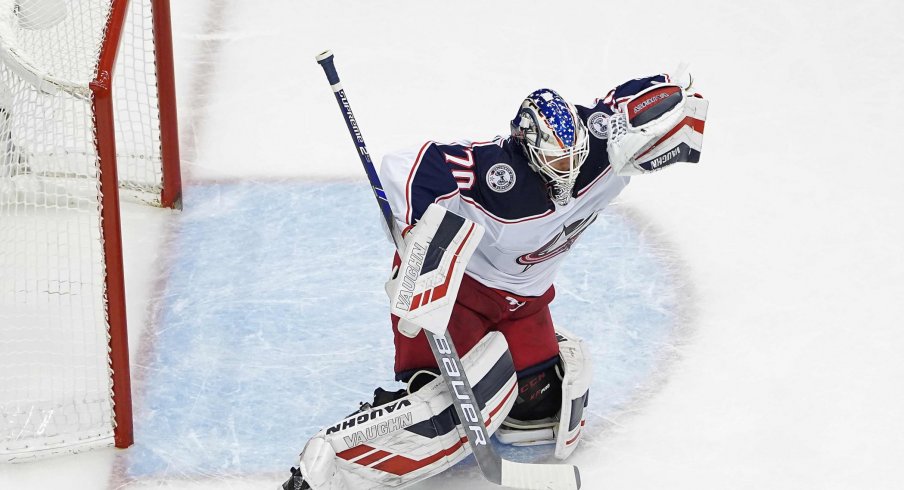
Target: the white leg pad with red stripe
(566, 428)
(414, 437)
(318, 465)
(575, 391)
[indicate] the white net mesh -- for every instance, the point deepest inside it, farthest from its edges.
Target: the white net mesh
(54, 365)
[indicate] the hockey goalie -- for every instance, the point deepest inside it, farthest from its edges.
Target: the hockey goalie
(487, 225)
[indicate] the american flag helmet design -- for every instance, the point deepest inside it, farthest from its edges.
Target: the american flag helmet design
(554, 139)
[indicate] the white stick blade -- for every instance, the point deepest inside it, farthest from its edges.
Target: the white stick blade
(540, 476)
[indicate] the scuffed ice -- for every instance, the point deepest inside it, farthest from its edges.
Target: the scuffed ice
(274, 323)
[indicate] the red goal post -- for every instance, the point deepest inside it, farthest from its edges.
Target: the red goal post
(87, 109)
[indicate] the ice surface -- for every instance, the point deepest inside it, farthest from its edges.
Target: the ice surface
(273, 324)
(783, 243)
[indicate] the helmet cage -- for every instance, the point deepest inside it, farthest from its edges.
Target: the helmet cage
(550, 131)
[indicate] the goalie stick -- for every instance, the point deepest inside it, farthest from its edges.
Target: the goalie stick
(494, 468)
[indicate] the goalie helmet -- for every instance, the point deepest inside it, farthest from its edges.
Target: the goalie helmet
(554, 140)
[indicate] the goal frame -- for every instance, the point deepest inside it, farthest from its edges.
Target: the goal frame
(171, 194)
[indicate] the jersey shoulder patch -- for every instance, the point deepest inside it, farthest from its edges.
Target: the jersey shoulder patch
(507, 188)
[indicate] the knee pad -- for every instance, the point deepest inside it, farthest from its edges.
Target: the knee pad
(533, 424)
(413, 437)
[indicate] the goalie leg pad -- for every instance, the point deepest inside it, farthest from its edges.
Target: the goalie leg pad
(565, 428)
(318, 467)
(578, 374)
(413, 437)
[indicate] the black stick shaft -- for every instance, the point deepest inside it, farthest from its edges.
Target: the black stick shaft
(466, 405)
(326, 62)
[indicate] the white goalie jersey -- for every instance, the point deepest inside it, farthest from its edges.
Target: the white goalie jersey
(491, 183)
(526, 234)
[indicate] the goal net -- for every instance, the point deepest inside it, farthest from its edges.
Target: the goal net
(86, 110)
